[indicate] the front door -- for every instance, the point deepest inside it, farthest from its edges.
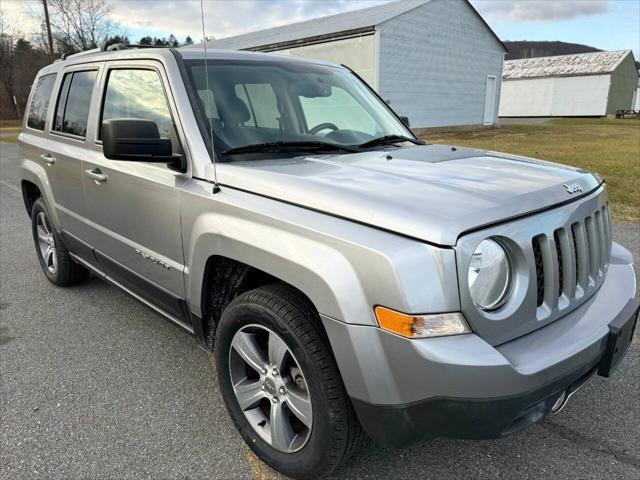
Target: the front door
(490, 101)
(133, 208)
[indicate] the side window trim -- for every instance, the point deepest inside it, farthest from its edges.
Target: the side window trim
(52, 118)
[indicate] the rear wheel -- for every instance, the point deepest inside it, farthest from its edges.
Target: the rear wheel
(281, 385)
(55, 261)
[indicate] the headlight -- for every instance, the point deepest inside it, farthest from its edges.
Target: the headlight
(489, 275)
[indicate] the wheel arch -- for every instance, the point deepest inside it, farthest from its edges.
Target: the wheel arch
(30, 193)
(224, 279)
(34, 180)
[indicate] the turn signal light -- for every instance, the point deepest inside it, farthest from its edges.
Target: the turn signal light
(421, 326)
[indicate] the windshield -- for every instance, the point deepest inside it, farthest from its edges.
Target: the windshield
(288, 104)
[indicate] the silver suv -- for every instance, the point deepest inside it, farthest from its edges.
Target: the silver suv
(347, 277)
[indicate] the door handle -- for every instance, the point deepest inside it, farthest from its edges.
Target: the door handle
(48, 158)
(96, 175)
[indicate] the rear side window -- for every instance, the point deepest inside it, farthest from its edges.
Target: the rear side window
(40, 102)
(72, 110)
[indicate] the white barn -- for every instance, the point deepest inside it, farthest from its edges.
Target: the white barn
(582, 85)
(435, 61)
(636, 96)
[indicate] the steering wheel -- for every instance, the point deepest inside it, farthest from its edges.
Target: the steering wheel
(323, 126)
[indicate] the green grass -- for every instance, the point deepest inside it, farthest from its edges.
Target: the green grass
(609, 147)
(9, 139)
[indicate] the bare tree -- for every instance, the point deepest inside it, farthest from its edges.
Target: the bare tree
(8, 39)
(80, 24)
(19, 63)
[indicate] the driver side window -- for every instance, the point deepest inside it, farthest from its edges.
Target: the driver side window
(137, 93)
(340, 109)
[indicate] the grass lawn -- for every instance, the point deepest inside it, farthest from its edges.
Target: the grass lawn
(607, 146)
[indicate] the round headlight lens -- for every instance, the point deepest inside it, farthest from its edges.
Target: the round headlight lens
(489, 275)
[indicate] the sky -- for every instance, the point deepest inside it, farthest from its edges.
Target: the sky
(604, 24)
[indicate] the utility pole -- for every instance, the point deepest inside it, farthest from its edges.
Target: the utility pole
(46, 16)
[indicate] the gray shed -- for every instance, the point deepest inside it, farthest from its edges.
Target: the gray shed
(435, 61)
(580, 85)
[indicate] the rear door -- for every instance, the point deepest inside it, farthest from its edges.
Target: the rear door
(134, 212)
(63, 146)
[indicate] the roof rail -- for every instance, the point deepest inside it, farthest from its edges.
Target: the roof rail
(80, 54)
(111, 48)
(126, 46)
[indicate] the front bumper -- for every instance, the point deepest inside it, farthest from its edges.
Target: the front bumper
(462, 387)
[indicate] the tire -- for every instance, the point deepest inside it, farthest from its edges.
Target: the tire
(55, 261)
(334, 433)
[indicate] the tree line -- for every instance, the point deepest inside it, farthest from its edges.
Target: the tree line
(76, 26)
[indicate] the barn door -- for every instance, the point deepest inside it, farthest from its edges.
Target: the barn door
(490, 101)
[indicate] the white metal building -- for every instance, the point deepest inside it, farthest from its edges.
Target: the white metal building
(435, 61)
(582, 85)
(636, 96)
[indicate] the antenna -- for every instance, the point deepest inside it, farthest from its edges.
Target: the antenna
(216, 187)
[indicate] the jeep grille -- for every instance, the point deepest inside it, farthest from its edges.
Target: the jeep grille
(579, 260)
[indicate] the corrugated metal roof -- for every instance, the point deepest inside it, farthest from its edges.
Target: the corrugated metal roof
(317, 27)
(596, 63)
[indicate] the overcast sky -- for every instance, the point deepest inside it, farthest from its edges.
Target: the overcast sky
(605, 24)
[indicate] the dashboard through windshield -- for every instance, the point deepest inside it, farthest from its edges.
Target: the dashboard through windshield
(288, 103)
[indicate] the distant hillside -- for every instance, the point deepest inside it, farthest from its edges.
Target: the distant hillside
(525, 49)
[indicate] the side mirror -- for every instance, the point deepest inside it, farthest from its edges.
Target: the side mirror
(405, 120)
(135, 140)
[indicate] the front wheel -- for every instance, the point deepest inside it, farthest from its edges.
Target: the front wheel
(281, 385)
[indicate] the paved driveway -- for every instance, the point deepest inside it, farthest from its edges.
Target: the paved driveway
(93, 385)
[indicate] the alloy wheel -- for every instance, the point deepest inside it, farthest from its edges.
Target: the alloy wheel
(46, 242)
(270, 388)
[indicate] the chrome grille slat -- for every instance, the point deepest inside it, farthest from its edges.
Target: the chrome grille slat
(606, 213)
(592, 241)
(601, 243)
(582, 255)
(568, 262)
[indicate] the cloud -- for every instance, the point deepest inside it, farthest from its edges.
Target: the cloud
(223, 18)
(539, 10)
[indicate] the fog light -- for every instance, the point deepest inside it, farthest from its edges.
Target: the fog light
(421, 326)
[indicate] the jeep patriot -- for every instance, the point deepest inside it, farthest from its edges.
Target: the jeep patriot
(347, 277)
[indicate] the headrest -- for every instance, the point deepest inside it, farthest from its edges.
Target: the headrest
(234, 111)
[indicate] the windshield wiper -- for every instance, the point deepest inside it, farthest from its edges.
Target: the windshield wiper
(389, 140)
(276, 147)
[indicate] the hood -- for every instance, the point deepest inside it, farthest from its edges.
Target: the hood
(429, 192)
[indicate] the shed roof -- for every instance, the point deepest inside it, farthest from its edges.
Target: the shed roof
(352, 20)
(595, 63)
(323, 28)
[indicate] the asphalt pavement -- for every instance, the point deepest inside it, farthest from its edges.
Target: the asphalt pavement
(94, 385)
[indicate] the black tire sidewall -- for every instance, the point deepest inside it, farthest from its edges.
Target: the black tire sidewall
(315, 454)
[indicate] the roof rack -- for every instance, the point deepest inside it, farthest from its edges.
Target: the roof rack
(126, 46)
(111, 48)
